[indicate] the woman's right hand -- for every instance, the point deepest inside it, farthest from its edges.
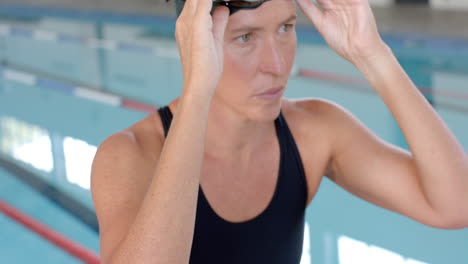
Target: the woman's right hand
(200, 39)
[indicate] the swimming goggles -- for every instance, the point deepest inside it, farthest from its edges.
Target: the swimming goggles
(236, 5)
(239, 4)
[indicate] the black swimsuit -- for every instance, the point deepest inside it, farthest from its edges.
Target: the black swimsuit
(275, 236)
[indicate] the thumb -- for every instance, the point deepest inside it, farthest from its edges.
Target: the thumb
(220, 20)
(312, 12)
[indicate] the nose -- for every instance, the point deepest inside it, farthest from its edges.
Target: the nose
(272, 58)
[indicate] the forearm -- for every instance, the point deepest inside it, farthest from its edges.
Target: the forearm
(440, 160)
(162, 231)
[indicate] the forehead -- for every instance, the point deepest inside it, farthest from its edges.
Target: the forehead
(270, 12)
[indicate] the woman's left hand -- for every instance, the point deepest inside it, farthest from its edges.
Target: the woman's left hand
(348, 26)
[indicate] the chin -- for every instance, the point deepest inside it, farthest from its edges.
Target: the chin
(267, 112)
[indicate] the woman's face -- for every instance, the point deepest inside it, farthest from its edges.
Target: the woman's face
(259, 51)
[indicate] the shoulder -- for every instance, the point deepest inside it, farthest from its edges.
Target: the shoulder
(314, 113)
(134, 142)
(313, 107)
(132, 151)
(312, 122)
(319, 127)
(320, 118)
(121, 173)
(141, 142)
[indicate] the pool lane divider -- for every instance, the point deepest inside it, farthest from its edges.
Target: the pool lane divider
(114, 100)
(90, 42)
(54, 194)
(359, 84)
(77, 91)
(31, 10)
(92, 94)
(364, 85)
(166, 25)
(402, 40)
(49, 234)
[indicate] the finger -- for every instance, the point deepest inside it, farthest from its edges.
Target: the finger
(220, 20)
(204, 7)
(312, 12)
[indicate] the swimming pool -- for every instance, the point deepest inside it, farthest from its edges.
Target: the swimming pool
(66, 84)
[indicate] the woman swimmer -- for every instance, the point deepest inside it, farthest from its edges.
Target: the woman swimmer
(240, 163)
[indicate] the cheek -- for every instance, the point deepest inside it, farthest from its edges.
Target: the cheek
(238, 66)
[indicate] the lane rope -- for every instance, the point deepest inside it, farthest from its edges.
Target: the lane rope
(50, 235)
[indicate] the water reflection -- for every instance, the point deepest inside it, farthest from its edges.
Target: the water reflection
(34, 146)
(28, 143)
(351, 251)
(78, 160)
(306, 247)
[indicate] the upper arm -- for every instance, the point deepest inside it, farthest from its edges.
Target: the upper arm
(375, 170)
(120, 176)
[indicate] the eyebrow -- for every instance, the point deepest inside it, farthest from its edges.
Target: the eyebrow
(251, 28)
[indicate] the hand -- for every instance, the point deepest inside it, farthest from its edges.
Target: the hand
(200, 40)
(348, 26)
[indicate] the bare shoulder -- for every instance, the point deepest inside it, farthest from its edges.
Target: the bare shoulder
(131, 146)
(317, 108)
(121, 173)
(324, 119)
(317, 115)
(313, 114)
(127, 156)
(312, 123)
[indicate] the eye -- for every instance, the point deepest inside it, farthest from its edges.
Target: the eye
(245, 38)
(287, 27)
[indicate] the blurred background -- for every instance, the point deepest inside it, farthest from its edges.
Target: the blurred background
(74, 72)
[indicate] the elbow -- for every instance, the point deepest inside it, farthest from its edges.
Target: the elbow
(459, 221)
(459, 218)
(455, 225)
(453, 217)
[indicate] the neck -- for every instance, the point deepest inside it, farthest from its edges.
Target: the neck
(232, 135)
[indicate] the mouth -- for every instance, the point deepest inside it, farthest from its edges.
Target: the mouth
(271, 94)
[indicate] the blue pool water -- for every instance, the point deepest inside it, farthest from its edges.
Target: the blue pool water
(66, 84)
